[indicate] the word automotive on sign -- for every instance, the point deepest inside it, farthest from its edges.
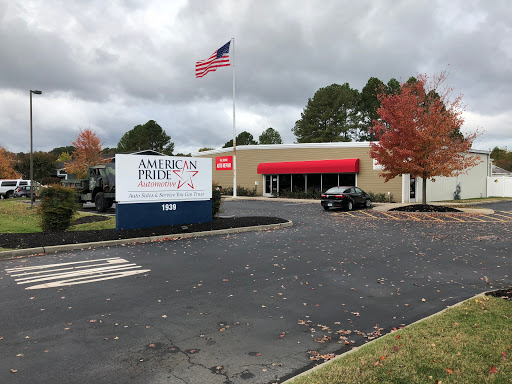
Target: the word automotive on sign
(162, 190)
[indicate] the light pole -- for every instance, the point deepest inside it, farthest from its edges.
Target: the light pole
(31, 150)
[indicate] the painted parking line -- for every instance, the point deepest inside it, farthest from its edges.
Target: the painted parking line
(347, 213)
(456, 218)
(79, 272)
(504, 217)
(494, 218)
(475, 218)
(506, 214)
(370, 215)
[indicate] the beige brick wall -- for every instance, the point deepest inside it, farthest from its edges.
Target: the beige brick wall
(247, 161)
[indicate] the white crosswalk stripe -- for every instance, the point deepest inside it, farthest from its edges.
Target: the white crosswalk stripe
(79, 272)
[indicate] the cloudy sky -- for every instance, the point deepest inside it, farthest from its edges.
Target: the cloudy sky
(110, 65)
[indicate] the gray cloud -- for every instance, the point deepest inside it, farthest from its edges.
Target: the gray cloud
(110, 66)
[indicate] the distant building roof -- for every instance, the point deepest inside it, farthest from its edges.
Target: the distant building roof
(497, 171)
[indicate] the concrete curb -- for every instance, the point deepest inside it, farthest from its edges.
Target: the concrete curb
(290, 380)
(5, 255)
(480, 211)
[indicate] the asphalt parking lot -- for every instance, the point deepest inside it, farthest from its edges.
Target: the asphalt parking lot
(247, 308)
(496, 217)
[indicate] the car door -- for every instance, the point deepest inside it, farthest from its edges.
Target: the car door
(359, 195)
(351, 192)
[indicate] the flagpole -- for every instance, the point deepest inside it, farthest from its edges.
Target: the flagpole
(234, 123)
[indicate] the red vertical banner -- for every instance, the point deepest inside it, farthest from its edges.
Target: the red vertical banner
(224, 163)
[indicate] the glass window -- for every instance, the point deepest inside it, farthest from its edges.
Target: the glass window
(329, 180)
(298, 183)
(335, 190)
(347, 179)
(285, 183)
(8, 183)
(314, 182)
(23, 182)
(267, 184)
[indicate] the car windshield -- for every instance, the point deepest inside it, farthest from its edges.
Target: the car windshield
(338, 190)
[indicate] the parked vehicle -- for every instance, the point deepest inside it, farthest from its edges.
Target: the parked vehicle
(23, 191)
(346, 198)
(99, 186)
(9, 186)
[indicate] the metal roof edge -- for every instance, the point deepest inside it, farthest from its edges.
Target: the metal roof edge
(479, 151)
(343, 144)
(350, 144)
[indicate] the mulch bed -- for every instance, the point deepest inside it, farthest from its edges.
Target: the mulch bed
(42, 239)
(424, 208)
(502, 294)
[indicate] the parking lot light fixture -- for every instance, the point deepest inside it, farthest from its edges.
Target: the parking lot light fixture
(31, 151)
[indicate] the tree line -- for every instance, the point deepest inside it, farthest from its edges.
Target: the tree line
(335, 113)
(341, 113)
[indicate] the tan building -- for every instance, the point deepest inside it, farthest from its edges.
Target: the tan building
(280, 168)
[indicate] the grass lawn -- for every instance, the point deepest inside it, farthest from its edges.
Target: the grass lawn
(469, 343)
(16, 216)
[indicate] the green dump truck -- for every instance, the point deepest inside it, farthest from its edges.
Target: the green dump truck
(99, 187)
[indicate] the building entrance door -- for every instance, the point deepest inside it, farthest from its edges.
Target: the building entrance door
(271, 185)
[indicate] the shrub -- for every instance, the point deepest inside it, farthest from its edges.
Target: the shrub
(57, 208)
(216, 200)
(240, 191)
(380, 197)
(311, 193)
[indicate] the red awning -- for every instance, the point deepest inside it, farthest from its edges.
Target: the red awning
(317, 166)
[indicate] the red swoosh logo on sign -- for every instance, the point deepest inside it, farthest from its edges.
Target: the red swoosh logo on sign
(183, 173)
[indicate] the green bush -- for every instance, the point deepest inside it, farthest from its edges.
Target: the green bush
(57, 208)
(216, 200)
(380, 197)
(309, 194)
(240, 191)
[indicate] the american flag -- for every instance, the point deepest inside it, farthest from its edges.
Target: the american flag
(219, 58)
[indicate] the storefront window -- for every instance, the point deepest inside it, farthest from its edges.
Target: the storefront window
(329, 180)
(298, 183)
(315, 182)
(348, 179)
(285, 183)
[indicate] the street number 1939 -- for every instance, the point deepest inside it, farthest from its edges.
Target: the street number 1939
(168, 207)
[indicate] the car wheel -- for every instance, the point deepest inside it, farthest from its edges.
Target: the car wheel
(368, 203)
(350, 205)
(326, 207)
(9, 194)
(99, 202)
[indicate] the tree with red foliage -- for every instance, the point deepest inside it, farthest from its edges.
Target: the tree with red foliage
(7, 170)
(419, 133)
(87, 152)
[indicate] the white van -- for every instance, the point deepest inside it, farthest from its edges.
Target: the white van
(8, 187)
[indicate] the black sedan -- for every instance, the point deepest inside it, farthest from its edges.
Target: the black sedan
(346, 198)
